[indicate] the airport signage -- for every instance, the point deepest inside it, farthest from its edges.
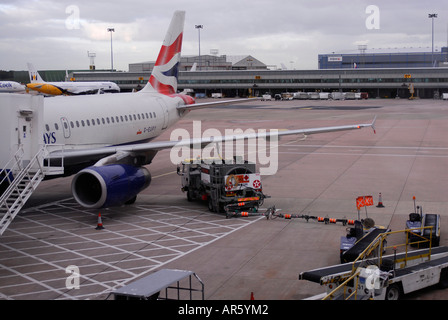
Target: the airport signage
(335, 59)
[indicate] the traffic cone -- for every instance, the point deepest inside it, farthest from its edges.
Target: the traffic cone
(252, 296)
(380, 202)
(100, 223)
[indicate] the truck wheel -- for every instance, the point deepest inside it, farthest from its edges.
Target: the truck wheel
(443, 282)
(393, 292)
(210, 205)
(189, 195)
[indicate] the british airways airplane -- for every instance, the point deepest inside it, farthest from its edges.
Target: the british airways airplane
(107, 138)
(68, 87)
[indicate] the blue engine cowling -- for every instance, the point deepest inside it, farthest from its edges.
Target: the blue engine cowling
(110, 185)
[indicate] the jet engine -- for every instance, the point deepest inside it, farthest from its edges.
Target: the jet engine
(110, 185)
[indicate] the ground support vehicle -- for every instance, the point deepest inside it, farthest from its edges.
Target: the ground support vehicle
(417, 219)
(266, 97)
(226, 185)
(376, 276)
(358, 239)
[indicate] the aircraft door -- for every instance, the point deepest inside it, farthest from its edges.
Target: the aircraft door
(24, 138)
(165, 113)
(65, 127)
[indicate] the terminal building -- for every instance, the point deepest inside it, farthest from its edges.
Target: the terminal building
(385, 76)
(384, 60)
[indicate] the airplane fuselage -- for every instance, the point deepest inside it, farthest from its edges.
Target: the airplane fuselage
(11, 87)
(72, 88)
(85, 122)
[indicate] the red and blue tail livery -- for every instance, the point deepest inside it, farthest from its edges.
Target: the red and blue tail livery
(165, 73)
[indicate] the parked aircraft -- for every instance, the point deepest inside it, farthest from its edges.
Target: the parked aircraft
(68, 87)
(107, 138)
(11, 87)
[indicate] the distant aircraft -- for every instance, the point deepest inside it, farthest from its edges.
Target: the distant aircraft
(67, 87)
(107, 138)
(11, 87)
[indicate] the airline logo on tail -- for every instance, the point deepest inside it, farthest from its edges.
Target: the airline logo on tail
(165, 73)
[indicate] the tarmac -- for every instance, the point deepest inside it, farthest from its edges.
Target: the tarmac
(320, 175)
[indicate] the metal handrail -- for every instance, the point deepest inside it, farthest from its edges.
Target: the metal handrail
(378, 241)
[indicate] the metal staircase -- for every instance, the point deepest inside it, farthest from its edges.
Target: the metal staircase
(21, 177)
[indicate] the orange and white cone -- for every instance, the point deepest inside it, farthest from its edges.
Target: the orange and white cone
(380, 202)
(100, 223)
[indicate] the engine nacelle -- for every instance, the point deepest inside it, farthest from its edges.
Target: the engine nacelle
(110, 185)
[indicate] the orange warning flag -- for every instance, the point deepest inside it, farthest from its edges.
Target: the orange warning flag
(360, 202)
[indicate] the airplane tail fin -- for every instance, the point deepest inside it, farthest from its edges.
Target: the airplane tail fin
(34, 75)
(165, 73)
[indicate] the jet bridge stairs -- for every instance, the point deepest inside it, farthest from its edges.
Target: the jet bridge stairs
(22, 177)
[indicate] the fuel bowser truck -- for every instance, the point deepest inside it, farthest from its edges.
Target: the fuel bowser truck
(226, 185)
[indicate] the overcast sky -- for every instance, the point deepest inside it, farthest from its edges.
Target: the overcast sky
(56, 35)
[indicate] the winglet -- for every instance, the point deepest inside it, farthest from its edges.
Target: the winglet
(373, 125)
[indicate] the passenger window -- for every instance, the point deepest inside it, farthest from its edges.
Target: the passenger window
(121, 117)
(65, 125)
(93, 122)
(82, 123)
(107, 119)
(102, 120)
(98, 121)
(47, 127)
(126, 117)
(56, 126)
(77, 123)
(88, 122)
(135, 118)
(138, 115)
(72, 124)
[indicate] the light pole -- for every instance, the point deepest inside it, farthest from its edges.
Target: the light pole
(111, 51)
(199, 27)
(432, 16)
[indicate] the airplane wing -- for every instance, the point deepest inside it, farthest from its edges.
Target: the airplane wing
(196, 106)
(114, 154)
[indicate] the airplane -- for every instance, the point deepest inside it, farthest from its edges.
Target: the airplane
(107, 139)
(11, 87)
(68, 87)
